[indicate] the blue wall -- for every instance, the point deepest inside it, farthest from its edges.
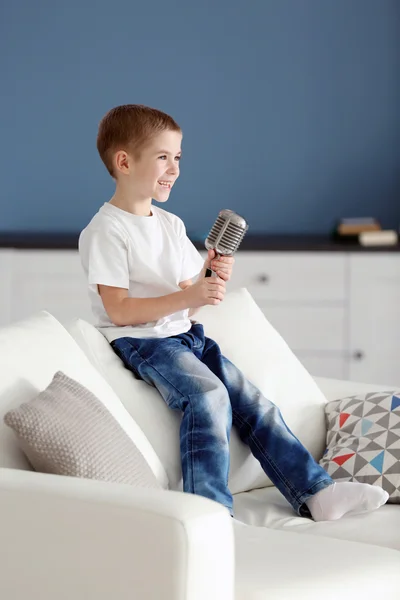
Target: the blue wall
(290, 108)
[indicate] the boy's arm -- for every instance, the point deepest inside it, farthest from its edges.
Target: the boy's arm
(188, 282)
(221, 265)
(183, 285)
(123, 310)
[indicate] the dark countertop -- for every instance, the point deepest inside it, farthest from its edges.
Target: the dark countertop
(260, 242)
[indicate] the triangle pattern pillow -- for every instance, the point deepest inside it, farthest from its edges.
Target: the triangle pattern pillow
(363, 440)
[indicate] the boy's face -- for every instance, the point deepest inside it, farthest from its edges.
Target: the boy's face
(154, 174)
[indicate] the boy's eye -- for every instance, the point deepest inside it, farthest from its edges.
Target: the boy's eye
(164, 157)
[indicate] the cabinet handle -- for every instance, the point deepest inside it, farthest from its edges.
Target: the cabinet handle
(358, 355)
(263, 278)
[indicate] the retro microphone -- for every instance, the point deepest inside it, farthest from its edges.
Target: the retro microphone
(226, 234)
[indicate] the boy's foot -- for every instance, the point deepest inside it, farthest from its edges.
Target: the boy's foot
(343, 497)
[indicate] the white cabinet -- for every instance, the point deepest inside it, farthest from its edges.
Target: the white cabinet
(34, 280)
(333, 366)
(292, 277)
(304, 296)
(374, 324)
(338, 311)
(309, 329)
(52, 281)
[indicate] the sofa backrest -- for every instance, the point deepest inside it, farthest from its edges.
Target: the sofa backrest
(31, 352)
(249, 340)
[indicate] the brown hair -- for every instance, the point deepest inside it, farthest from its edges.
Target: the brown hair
(130, 126)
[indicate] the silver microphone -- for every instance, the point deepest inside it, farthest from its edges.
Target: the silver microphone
(226, 234)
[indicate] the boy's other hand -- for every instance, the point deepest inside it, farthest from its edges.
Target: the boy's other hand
(206, 290)
(221, 265)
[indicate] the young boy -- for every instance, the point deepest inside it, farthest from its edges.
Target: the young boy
(146, 280)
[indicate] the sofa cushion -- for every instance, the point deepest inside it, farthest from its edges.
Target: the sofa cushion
(363, 440)
(31, 352)
(268, 508)
(333, 389)
(249, 340)
(66, 430)
(272, 565)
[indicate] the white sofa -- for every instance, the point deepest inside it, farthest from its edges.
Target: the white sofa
(68, 538)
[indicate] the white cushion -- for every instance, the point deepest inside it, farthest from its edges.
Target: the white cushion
(268, 508)
(333, 389)
(272, 565)
(31, 351)
(66, 430)
(247, 339)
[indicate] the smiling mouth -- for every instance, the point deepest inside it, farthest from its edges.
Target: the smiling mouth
(166, 184)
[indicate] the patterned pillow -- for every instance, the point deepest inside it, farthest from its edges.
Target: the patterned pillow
(66, 430)
(363, 440)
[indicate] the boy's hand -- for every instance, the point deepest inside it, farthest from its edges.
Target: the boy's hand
(206, 290)
(222, 265)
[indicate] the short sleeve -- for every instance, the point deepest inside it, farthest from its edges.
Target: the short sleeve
(106, 254)
(192, 261)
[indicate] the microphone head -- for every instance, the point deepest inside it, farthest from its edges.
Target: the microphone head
(227, 233)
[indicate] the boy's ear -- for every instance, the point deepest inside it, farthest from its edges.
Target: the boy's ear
(121, 161)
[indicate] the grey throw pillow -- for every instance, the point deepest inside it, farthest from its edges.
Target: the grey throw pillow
(66, 430)
(363, 440)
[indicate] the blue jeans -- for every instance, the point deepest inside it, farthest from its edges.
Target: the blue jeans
(194, 377)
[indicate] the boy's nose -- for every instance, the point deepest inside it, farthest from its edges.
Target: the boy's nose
(173, 169)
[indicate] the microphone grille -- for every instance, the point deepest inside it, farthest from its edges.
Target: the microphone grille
(226, 233)
(216, 230)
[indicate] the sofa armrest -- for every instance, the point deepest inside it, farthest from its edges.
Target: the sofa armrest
(333, 389)
(64, 537)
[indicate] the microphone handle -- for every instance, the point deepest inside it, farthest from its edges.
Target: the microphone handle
(209, 273)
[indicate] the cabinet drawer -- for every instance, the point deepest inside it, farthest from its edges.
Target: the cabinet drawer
(63, 298)
(375, 305)
(49, 280)
(48, 263)
(308, 328)
(381, 368)
(291, 276)
(334, 367)
(383, 267)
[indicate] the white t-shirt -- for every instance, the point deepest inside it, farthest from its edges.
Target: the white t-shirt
(148, 256)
